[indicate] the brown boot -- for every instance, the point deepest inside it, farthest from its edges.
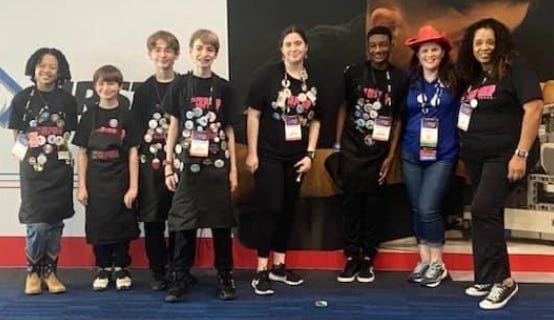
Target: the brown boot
(49, 277)
(32, 284)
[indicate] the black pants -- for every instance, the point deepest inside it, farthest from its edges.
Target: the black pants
(112, 254)
(158, 250)
(185, 250)
(276, 192)
(491, 188)
(363, 216)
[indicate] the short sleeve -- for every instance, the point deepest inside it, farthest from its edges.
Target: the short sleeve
(132, 130)
(170, 103)
(138, 106)
(230, 106)
(526, 82)
(257, 93)
(17, 109)
(83, 131)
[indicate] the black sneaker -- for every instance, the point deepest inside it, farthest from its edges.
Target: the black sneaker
(261, 284)
(281, 274)
(499, 296)
(123, 279)
(159, 279)
(178, 287)
(350, 271)
(478, 290)
(436, 272)
(102, 280)
(366, 274)
(227, 288)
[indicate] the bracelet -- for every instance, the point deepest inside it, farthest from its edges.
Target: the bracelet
(310, 154)
(169, 175)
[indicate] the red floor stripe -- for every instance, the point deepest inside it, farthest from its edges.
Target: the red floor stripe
(76, 253)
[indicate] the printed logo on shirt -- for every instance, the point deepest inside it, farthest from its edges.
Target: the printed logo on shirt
(484, 92)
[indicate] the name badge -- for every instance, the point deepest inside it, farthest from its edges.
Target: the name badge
(19, 149)
(429, 138)
(464, 116)
(200, 144)
(381, 128)
(293, 129)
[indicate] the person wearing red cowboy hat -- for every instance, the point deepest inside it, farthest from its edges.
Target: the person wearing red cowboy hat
(429, 146)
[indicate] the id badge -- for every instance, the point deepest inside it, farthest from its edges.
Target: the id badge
(464, 116)
(429, 138)
(199, 144)
(293, 129)
(20, 147)
(381, 128)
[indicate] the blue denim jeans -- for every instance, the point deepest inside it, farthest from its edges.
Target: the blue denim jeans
(427, 183)
(43, 239)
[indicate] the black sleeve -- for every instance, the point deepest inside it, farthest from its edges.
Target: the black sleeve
(132, 130)
(231, 110)
(257, 96)
(139, 107)
(170, 103)
(70, 106)
(17, 110)
(526, 82)
(400, 94)
(83, 131)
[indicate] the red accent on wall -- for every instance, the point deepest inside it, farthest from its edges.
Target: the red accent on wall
(77, 253)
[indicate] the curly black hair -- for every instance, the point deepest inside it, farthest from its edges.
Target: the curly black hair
(503, 54)
(63, 66)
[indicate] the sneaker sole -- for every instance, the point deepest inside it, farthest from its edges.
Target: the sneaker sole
(284, 280)
(261, 293)
(476, 293)
(498, 305)
(436, 283)
(347, 279)
(365, 280)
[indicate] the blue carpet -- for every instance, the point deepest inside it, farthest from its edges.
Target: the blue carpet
(390, 297)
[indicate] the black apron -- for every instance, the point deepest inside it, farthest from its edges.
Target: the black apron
(154, 198)
(107, 219)
(203, 195)
(46, 176)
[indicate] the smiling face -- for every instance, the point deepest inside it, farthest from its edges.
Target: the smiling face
(430, 55)
(163, 55)
(379, 47)
(46, 71)
(483, 47)
(203, 54)
(107, 90)
(294, 48)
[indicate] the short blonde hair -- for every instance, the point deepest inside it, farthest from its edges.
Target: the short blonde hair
(168, 37)
(206, 36)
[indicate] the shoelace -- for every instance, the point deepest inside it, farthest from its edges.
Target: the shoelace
(496, 291)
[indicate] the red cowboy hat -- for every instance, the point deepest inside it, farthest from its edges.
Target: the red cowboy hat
(428, 33)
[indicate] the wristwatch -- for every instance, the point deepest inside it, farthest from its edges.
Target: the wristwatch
(310, 154)
(521, 153)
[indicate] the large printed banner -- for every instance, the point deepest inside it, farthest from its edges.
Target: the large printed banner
(90, 34)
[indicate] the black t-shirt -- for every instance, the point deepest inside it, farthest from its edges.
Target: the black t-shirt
(27, 104)
(204, 109)
(369, 94)
(153, 120)
(495, 126)
(301, 106)
(119, 122)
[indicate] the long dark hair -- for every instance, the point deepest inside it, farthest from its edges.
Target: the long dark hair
(503, 54)
(63, 66)
(448, 74)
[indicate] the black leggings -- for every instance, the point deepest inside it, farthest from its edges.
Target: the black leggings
(157, 249)
(112, 254)
(277, 191)
(491, 188)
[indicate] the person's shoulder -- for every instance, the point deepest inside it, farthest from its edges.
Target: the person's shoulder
(22, 95)
(143, 87)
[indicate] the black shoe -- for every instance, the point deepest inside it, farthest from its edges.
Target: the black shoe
(366, 274)
(178, 288)
(261, 284)
(499, 296)
(159, 279)
(351, 269)
(478, 290)
(227, 288)
(282, 274)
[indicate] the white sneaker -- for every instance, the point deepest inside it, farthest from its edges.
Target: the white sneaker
(478, 290)
(122, 279)
(499, 296)
(102, 279)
